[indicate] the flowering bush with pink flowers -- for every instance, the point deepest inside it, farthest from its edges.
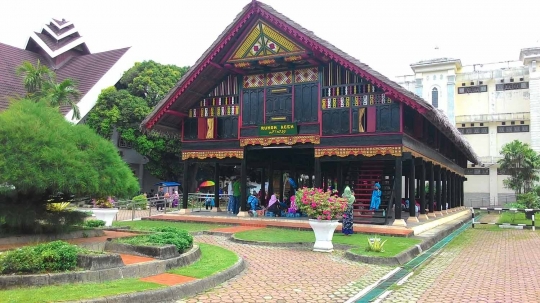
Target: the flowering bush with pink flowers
(319, 204)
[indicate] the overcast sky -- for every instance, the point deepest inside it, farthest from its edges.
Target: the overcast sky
(388, 35)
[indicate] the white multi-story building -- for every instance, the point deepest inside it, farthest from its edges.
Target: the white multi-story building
(491, 104)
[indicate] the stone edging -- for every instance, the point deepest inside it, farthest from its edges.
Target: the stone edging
(409, 254)
(173, 293)
(138, 270)
(88, 233)
(284, 244)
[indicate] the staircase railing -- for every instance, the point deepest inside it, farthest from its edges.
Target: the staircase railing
(390, 203)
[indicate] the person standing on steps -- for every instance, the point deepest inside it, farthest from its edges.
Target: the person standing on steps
(230, 204)
(347, 225)
(375, 197)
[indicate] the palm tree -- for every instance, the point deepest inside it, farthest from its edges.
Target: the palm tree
(34, 76)
(41, 86)
(63, 93)
(522, 164)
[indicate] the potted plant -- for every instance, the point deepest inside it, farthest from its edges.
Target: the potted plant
(104, 210)
(324, 209)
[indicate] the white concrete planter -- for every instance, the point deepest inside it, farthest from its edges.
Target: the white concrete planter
(105, 214)
(324, 232)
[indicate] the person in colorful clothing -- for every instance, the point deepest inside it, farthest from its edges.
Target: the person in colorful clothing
(347, 225)
(375, 197)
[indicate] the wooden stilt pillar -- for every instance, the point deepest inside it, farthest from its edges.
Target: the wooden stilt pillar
(317, 173)
(438, 190)
(422, 191)
(185, 187)
(243, 186)
(216, 188)
(398, 221)
(431, 194)
(412, 183)
(263, 190)
(406, 187)
(444, 189)
(340, 185)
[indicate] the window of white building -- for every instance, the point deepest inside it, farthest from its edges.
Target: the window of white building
(435, 97)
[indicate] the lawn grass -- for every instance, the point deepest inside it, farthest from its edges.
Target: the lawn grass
(79, 291)
(392, 247)
(517, 218)
(213, 259)
(147, 225)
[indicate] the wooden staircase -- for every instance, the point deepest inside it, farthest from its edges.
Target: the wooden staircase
(363, 176)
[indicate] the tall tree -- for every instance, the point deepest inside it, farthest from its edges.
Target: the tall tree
(521, 163)
(125, 106)
(41, 86)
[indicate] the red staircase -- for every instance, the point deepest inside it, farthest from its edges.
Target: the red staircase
(366, 175)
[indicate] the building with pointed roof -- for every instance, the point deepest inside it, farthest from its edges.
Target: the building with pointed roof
(60, 47)
(274, 99)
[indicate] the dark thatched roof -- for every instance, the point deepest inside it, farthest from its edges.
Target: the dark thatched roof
(180, 98)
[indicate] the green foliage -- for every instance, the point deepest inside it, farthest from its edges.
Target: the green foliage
(44, 157)
(93, 223)
(521, 162)
(41, 86)
(375, 245)
(163, 236)
(49, 257)
(139, 201)
(529, 200)
(126, 106)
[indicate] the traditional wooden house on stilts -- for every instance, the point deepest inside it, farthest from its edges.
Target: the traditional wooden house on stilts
(269, 95)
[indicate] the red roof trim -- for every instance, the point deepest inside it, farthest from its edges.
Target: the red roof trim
(200, 68)
(295, 34)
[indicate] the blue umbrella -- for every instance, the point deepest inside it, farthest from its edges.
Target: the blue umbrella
(168, 184)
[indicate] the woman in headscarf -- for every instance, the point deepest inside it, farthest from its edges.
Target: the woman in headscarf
(375, 197)
(347, 225)
(273, 205)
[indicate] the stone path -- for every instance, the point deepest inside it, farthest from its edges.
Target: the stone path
(482, 266)
(276, 274)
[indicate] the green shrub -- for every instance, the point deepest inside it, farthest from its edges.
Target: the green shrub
(163, 236)
(530, 200)
(375, 245)
(94, 223)
(49, 257)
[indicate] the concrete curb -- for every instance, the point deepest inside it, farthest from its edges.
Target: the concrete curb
(412, 252)
(139, 270)
(307, 245)
(174, 293)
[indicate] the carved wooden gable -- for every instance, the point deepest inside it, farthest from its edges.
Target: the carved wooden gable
(262, 43)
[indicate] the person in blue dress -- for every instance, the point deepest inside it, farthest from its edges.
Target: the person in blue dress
(347, 225)
(375, 197)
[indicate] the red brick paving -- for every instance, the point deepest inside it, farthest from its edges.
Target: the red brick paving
(236, 229)
(380, 230)
(288, 275)
(168, 279)
(131, 259)
(491, 266)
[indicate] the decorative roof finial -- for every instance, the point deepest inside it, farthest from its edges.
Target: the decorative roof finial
(253, 2)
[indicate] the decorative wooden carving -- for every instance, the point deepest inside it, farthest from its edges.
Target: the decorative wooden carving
(368, 151)
(218, 154)
(289, 140)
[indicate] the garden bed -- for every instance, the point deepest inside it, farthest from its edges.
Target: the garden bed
(84, 233)
(138, 270)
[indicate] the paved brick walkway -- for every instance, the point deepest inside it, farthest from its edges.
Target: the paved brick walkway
(168, 279)
(132, 259)
(289, 275)
(484, 266)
